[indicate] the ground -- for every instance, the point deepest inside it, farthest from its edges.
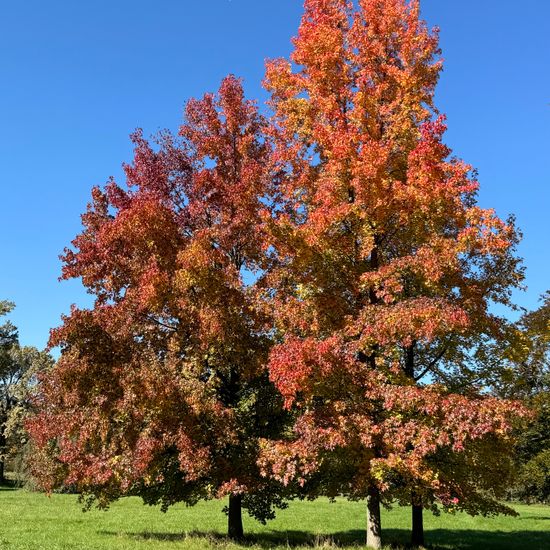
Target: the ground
(33, 521)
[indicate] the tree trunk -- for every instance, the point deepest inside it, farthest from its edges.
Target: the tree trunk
(235, 518)
(2, 451)
(417, 535)
(374, 525)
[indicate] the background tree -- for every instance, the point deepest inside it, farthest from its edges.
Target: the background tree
(8, 339)
(525, 374)
(161, 389)
(17, 384)
(18, 368)
(8, 332)
(383, 266)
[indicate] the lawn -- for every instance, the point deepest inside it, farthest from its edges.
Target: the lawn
(30, 521)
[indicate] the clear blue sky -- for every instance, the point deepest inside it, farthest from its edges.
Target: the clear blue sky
(78, 77)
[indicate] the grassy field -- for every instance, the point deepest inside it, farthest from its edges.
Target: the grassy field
(30, 521)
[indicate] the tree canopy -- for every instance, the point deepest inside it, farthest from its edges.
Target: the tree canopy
(384, 268)
(299, 305)
(160, 389)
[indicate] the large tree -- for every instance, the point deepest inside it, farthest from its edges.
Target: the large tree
(376, 274)
(161, 388)
(383, 268)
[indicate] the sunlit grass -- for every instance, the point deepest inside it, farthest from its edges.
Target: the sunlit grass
(32, 521)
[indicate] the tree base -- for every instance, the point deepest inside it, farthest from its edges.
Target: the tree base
(417, 535)
(374, 524)
(234, 518)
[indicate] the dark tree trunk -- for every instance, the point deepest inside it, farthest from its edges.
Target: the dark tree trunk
(374, 524)
(409, 362)
(235, 518)
(417, 535)
(2, 451)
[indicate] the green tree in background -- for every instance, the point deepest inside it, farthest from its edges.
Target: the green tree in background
(8, 332)
(533, 447)
(8, 338)
(19, 366)
(525, 374)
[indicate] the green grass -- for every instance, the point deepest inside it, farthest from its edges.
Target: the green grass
(31, 521)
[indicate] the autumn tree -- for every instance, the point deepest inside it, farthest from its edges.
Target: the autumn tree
(374, 271)
(161, 389)
(383, 270)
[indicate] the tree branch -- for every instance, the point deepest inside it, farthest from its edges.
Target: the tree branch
(431, 365)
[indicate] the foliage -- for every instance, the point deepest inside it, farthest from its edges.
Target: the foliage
(8, 334)
(161, 389)
(17, 389)
(526, 374)
(525, 360)
(18, 369)
(8, 339)
(300, 306)
(534, 479)
(383, 269)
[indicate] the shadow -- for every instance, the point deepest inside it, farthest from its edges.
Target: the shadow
(489, 540)
(8, 485)
(436, 539)
(264, 540)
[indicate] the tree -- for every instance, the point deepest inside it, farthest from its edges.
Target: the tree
(161, 389)
(8, 332)
(383, 268)
(525, 373)
(374, 270)
(18, 368)
(17, 384)
(525, 361)
(8, 338)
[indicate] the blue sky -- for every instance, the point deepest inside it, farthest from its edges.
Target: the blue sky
(78, 77)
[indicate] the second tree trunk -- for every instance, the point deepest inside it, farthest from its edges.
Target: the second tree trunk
(374, 525)
(417, 537)
(235, 518)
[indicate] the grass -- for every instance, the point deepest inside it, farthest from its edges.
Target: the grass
(31, 521)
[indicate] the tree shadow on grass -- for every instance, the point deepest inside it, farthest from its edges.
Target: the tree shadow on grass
(458, 539)
(264, 540)
(8, 485)
(489, 540)
(436, 539)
